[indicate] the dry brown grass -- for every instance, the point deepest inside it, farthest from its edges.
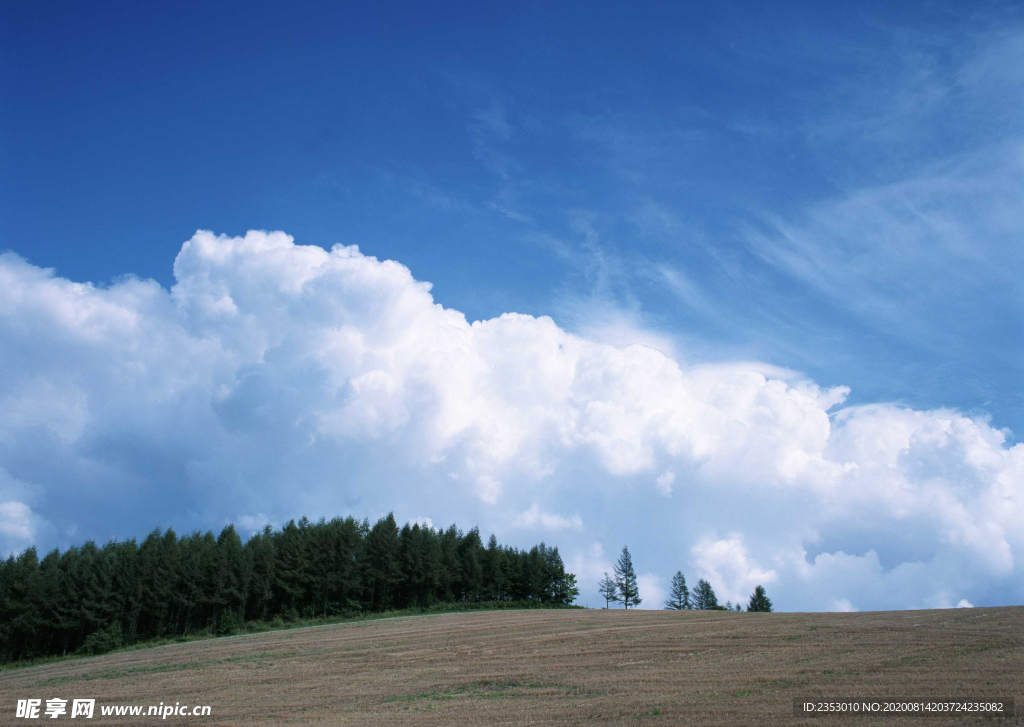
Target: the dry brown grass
(562, 667)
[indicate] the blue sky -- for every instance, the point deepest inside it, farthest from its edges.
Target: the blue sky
(816, 193)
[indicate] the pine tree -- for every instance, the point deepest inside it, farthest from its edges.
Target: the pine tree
(292, 568)
(609, 590)
(471, 555)
(533, 574)
(428, 580)
(561, 586)
(212, 582)
(495, 575)
(21, 614)
(625, 579)
(348, 543)
(91, 599)
(236, 572)
(262, 553)
(188, 590)
(56, 623)
(759, 601)
(704, 598)
(384, 569)
(679, 595)
(448, 569)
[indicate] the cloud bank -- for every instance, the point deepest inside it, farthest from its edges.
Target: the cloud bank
(276, 379)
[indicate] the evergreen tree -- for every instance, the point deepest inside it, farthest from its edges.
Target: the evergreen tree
(759, 601)
(21, 613)
(93, 599)
(321, 576)
(471, 555)
(560, 587)
(495, 572)
(609, 590)
(236, 571)
(625, 579)
(409, 563)
(427, 581)
(534, 575)
(262, 553)
(188, 593)
(7, 568)
(347, 541)
(679, 594)
(125, 585)
(156, 581)
(704, 598)
(95, 610)
(448, 568)
(294, 579)
(383, 566)
(212, 582)
(56, 616)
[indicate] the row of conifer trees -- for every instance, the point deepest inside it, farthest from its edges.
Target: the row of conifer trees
(623, 589)
(703, 598)
(92, 598)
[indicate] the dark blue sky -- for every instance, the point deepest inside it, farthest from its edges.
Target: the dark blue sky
(532, 158)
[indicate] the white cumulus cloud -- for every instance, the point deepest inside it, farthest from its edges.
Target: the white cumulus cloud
(281, 380)
(534, 517)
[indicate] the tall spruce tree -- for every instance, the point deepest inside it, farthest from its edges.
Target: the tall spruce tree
(759, 601)
(704, 598)
(559, 587)
(679, 594)
(471, 573)
(609, 590)
(383, 566)
(495, 573)
(625, 579)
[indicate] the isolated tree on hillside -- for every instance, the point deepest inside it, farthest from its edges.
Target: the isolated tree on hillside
(759, 601)
(625, 579)
(679, 595)
(704, 598)
(608, 589)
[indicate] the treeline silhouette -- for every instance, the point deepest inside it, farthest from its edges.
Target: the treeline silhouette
(92, 599)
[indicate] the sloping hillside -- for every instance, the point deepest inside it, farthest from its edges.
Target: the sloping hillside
(566, 667)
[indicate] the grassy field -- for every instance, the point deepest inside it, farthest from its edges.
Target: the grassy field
(561, 667)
